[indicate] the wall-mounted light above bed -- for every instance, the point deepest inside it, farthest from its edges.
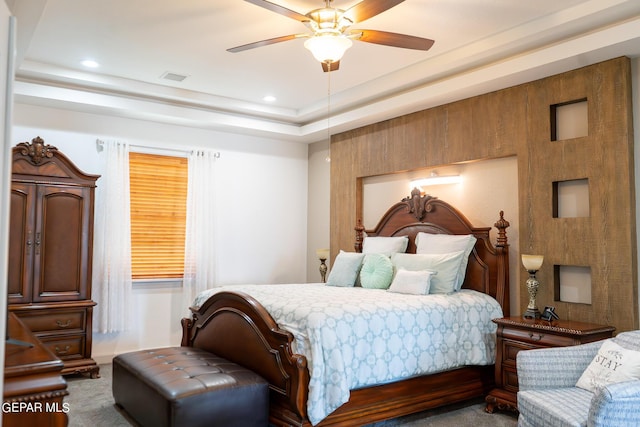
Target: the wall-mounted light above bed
(435, 179)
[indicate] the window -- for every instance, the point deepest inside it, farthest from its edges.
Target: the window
(158, 186)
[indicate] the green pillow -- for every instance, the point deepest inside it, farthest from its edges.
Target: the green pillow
(376, 272)
(345, 269)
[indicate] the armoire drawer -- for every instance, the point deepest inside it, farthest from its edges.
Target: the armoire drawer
(66, 347)
(72, 320)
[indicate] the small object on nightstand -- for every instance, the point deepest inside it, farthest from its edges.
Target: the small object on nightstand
(532, 264)
(549, 314)
(323, 255)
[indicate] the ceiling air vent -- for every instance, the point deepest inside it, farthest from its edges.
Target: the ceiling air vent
(173, 77)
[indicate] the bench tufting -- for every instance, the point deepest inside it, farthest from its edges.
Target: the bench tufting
(186, 386)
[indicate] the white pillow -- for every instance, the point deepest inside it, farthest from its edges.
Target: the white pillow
(411, 282)
(446, 266)
(427, 243)
(613, 364)
(384, 245)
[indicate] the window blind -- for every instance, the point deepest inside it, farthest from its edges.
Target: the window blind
(158, 186)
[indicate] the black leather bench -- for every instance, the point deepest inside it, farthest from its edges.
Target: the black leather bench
(186, 386)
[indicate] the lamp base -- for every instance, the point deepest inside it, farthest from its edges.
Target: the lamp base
(323, 270)
(532, 313)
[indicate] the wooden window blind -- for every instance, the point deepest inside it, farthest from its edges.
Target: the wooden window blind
(158, 186)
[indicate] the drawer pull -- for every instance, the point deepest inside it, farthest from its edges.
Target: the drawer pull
(535, 337)
(63, 352)
(62, 324)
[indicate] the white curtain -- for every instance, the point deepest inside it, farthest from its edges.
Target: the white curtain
(112, 241)
(199, 256)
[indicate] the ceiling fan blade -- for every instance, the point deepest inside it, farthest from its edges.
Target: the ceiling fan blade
(369, 8)
(333, 66)
(394, 39)
(280, 9)
(265, 42)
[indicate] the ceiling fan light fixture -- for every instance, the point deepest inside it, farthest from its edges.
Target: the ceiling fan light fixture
(328, 48)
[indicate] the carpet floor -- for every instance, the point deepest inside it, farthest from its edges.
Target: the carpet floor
(91, 404)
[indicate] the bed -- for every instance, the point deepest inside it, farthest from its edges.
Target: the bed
(236, 326)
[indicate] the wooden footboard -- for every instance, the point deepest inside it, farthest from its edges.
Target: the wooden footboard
(235, 326)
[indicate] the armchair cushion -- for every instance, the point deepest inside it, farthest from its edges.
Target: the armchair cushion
(558, 407)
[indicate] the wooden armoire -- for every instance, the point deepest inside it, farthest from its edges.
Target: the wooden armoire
(50, 252)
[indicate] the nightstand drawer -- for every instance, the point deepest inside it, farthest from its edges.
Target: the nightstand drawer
(511, 348)
(538, 338)
(510, 378)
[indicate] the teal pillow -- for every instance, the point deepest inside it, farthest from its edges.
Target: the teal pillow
(376, 272)
(345, 269)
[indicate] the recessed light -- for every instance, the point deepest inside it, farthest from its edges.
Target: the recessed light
(90, 63)
(269, 98)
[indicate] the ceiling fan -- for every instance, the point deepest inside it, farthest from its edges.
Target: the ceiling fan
(331, 34)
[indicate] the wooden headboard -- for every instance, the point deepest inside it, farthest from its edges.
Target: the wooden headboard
(488, 267)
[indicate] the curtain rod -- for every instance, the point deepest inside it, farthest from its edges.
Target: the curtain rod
(100, 143)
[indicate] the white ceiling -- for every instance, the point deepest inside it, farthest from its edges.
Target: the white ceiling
(480, 46)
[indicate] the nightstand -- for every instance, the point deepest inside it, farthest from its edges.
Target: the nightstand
(516, 333)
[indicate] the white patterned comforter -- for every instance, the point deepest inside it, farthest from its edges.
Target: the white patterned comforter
(356, 337)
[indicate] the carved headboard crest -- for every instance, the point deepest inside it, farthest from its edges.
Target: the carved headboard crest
(37, 150)
(418, 205)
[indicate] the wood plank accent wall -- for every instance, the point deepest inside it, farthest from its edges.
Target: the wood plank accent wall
(517, 121)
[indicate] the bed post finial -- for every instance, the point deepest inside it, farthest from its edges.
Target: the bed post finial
(359, 231)
(502, 225)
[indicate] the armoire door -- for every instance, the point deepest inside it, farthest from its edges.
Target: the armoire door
(61, 251)
(21, 242)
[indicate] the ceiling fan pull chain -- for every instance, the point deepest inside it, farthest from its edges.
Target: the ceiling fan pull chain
(329, 104)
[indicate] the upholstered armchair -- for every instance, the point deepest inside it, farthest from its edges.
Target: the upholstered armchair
(549, 396)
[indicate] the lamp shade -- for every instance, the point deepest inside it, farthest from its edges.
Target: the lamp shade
(322, 253)
(328, 48)
(532, 262)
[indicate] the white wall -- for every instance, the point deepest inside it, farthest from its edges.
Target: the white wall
(318, 233)
(261, 213)
(7, 27)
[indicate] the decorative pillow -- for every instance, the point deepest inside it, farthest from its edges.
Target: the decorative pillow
(376, 272)
(613, 364)
(427, 243)
(446, 266)
(385, 245)
(345, 269)
(411, 282)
